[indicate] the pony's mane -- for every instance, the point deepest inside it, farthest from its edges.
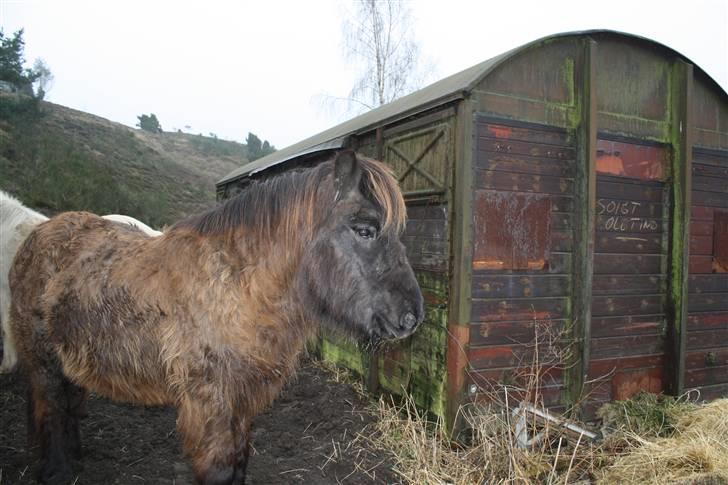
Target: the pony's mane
(7, 198)
(298, 197)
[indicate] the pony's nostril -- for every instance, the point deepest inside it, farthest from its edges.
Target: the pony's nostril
(408, 320)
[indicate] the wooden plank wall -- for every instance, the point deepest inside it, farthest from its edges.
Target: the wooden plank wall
(420, 152)
(706, 363)
(627, 342)
(517, 310)
(418, 364)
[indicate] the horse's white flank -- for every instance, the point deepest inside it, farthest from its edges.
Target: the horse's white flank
(16, 223)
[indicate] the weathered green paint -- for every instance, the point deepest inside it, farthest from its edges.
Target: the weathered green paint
(523, 109)
(634, 87)
(422, 369)
(461, 217)
(585, 214)
(542, 72)
(567, 71)
(343, 352)
(634, 127)
(536, 85)
(416, 365)
(632, 80)
(681, 87)
(568, 309)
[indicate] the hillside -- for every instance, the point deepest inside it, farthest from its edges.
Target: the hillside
(55, 158)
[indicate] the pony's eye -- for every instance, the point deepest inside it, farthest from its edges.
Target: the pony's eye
(365, 232)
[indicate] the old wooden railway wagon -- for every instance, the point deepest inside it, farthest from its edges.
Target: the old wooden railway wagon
(568, 202)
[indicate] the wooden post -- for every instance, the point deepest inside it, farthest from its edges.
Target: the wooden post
(585, 210)
(373, 371)
(372, 377)
(460, 197)
(380, 144)
(679, 246)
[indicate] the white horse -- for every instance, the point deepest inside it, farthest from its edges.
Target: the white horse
(16, 222)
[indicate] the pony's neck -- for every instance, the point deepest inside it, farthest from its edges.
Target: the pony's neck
(264, 230)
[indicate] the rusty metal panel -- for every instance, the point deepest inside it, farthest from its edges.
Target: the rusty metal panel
(707, 330)
(511, 230)
(631, 160)
(523, 219)
(720, 242)
(628, 383)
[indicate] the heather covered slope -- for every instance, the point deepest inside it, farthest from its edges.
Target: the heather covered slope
(56, 158)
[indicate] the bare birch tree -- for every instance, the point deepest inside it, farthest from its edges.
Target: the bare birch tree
(379, 38)
(44, 78)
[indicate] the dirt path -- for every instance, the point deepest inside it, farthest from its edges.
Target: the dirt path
(305, 438)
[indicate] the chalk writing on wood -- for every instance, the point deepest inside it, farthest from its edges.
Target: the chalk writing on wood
(622, 216)
(617, 207)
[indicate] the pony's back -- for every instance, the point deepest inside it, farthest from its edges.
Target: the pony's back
(16, 222)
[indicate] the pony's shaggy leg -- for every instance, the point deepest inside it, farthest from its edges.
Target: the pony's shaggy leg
(53, 400)
(241, 429)
(76, 402)
(216, 442)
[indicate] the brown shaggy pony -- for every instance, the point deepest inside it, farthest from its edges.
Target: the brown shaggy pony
(212, 316)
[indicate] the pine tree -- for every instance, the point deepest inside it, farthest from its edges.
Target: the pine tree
(149, 123)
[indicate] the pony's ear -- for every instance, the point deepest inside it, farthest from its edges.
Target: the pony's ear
(347, 173)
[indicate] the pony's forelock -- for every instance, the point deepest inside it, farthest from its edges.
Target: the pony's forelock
(380, 182)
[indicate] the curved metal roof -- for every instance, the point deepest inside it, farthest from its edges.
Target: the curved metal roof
(453, 87)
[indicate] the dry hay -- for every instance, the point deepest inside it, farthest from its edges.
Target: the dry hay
(424, 453)
(421, 449)
(681, 443)
(697, 451)
(648, 439)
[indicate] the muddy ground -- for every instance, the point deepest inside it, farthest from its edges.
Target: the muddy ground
(306, 437)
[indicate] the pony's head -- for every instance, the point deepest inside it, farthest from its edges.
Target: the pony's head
(354, 275)
(333, 232)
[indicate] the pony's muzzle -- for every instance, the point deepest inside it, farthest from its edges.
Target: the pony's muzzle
(408, 321)
(407, 324)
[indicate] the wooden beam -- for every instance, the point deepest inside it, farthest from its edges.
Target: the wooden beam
(585, 215)
(679, 245)
(374, 356)
(379, 144)
(460, 197)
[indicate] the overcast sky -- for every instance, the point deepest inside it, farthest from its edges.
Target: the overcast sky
(266, 66)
